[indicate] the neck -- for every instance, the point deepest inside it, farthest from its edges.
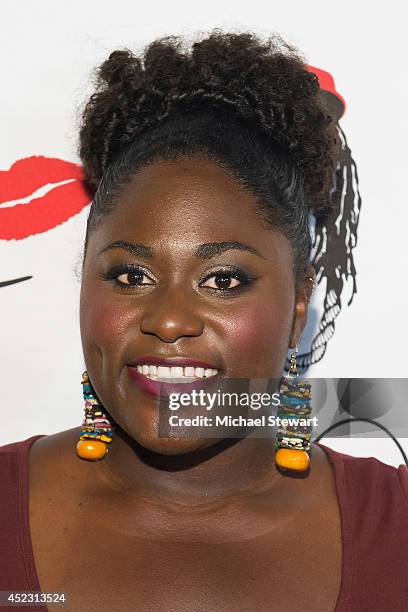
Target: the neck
(225, 470)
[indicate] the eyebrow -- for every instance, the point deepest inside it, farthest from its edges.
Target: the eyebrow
(204, 251)
(132, 247)
(210, 249)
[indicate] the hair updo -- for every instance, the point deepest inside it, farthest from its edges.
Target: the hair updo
(252, 106)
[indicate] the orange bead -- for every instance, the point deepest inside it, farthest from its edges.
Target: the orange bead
(289, 459)
(93, 450)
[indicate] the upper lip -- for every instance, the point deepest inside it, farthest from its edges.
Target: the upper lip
(172, 361)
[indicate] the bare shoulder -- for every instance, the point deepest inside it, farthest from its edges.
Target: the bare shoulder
(54, 468)
(52, 451)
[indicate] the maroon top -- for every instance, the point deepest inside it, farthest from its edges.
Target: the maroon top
(373, 502)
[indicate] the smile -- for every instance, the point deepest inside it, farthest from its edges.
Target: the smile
(162, 380)
(183, 374)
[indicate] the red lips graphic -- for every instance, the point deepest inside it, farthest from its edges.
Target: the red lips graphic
(326, 82)
(41, 213)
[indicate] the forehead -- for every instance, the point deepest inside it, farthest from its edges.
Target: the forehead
(187, 202)
(198, 187)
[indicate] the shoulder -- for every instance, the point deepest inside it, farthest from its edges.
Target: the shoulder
(373, 501)
(370, 483)
(14, 461)
(14, 469)
(18, 446)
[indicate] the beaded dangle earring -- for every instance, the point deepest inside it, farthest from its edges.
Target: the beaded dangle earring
(293, 440)
(96, 431)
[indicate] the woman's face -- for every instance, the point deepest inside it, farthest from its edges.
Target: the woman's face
(211, 283)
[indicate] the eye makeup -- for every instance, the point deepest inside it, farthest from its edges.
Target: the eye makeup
(223, 276)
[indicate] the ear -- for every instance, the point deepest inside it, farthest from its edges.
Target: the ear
(302, 299)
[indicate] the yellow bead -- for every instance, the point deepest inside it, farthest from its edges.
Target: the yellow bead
(106, 439)
(288, 459)
(93, 450)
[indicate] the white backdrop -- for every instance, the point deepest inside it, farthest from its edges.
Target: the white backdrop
(48, 50)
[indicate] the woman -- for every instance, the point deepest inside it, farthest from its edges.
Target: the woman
(207, 164)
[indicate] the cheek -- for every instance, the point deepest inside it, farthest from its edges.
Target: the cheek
(258, 339)
(104, 325)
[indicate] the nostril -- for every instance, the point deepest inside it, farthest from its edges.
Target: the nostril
(170, 328)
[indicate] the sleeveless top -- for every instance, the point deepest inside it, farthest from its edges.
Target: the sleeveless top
(373, 504)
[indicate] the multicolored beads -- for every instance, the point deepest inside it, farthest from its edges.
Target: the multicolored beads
(96, 430)
(293, 440)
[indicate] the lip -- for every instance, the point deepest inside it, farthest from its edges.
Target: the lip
(40, 213)
(156, 389)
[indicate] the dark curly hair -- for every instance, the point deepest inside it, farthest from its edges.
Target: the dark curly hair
(250, 105)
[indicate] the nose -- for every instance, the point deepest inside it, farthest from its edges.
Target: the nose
(171, 315)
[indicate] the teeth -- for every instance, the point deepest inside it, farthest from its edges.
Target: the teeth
(188, 372)
(163, 372)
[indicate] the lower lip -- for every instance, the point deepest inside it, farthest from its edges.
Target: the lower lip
(157, 389)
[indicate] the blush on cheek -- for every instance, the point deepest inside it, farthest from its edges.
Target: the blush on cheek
(257, 341)
(105, 325)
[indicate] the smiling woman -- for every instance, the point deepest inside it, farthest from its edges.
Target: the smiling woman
(206, 163)
(192, 292)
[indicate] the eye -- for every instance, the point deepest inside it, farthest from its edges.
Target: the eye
(132, 276)
(226, 280)
(221, 281)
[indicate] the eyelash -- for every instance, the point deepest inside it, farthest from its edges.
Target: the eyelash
(243, 278)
